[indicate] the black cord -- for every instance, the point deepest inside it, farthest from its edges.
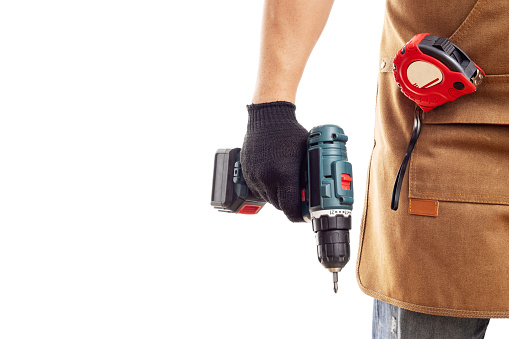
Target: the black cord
(401, 173)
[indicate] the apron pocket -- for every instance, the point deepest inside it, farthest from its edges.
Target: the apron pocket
(463, 151)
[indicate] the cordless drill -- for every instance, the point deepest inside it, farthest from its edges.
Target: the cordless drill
(327, 194)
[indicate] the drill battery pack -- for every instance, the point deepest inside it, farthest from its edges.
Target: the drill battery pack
(230, 192)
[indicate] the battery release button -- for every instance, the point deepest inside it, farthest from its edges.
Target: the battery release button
(249, 209)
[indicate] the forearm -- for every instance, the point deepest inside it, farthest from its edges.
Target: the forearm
(290, 30)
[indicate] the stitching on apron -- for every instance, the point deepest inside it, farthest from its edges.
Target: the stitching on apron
(496, 78)
(365, 214)
(434, 310)
(469, 21)
(484, 122)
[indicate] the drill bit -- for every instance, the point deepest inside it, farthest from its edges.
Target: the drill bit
(335, 280)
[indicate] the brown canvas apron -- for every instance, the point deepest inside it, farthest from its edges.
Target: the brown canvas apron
(448, 255)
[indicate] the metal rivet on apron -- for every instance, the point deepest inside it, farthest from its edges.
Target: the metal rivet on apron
(382, 65)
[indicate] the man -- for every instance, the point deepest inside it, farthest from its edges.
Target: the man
(439, 274)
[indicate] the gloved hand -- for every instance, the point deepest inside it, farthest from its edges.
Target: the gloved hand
(274, 155)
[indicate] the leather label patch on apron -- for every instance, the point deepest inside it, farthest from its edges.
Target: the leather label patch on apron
(424, 207)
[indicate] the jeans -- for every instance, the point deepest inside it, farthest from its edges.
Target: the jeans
(392, 322)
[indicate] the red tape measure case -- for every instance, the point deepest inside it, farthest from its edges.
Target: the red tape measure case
(432, 71)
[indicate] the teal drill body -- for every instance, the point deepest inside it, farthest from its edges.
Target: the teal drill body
(329, 196)
(329, 178)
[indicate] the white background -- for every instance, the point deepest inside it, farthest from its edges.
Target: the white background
(111, 112)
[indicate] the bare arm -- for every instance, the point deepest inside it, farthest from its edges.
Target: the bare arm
(290, 30)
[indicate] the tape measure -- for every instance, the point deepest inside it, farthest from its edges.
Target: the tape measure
(432, 71)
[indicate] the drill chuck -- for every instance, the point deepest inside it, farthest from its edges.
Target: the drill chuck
(333, 241)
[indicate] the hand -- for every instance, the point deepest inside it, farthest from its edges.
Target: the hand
(274, 155)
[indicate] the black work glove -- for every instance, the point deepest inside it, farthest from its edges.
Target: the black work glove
(273, 156)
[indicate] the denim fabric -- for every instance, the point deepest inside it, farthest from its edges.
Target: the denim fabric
(392, 322)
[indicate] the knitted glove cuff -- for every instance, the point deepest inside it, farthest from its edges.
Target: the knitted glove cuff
(270, 114)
